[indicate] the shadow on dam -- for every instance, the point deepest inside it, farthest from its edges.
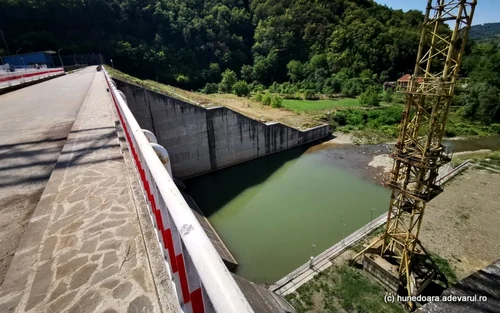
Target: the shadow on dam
(273, 213)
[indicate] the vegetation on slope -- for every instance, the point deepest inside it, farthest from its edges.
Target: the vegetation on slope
(189, 43)
(274, 51)
(485, 32)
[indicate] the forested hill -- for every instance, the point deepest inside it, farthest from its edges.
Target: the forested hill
(191, 42)
(485, 31)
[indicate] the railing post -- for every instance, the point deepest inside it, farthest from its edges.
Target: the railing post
(150, 136)
(162, 153)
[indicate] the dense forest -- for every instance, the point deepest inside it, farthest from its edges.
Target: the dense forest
(484, 32)
(191, 42)
(347, 47)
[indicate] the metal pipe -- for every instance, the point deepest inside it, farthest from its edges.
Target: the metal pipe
(220, 286)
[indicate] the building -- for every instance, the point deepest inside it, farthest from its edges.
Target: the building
(32, 59)
(404, 80)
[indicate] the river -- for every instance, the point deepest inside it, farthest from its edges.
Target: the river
(273, 213)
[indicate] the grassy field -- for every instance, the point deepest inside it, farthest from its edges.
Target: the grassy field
(319, 105)
(340, 289)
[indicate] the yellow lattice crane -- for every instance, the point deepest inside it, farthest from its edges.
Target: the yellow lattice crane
(419, 152)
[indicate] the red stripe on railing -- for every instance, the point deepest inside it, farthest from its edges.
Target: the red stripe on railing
(176, 262)
(197, 301)
(18, 76)
(170, 249)
(183, 278)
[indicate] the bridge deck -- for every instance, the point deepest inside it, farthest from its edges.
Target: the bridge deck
(83, 250)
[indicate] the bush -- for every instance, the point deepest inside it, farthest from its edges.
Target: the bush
(210, 88)
(368, 118)
(450, 132)
(339, 117)
(182, 79)
(274, 88)
(227, 82)
(495, 128)
(258, 97)
(241, 89)
(309, 95)
(276, 102)
(258, 88)
(266, 99)
(370, 97)
(388, 95)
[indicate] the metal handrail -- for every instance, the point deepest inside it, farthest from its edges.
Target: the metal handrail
(221, 288)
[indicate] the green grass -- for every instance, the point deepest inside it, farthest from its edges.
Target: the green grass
(318, 105)
(445, 268)
(341, 288)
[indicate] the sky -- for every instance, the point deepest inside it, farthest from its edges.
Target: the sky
(487, 11)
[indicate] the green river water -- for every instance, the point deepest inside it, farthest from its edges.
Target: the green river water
(271, 211)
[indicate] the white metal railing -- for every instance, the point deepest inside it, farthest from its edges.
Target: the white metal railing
(23, 76)
(202, 281)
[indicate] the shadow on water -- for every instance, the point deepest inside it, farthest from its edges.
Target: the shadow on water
(234, 180)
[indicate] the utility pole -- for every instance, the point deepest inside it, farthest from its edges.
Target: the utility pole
(5, 42)
(60, 59)
(17, 52)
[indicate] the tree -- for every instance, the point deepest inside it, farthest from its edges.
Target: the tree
(353, 87)
(210, 88)
(370, 97)
(241, 89)
(295, 70)
(483, 103)
(263, 40)
(227, 82)
(246, 73)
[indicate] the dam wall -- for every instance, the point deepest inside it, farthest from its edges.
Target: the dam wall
(200, 140)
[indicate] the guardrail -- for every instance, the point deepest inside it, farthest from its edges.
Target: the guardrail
(34, 75)
(202, 281)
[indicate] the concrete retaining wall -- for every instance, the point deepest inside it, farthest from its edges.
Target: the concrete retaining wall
(200, 140)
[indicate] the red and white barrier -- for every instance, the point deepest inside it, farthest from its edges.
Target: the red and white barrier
(9, 76)
(202, 281)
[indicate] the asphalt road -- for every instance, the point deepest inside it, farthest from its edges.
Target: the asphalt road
(34, 124)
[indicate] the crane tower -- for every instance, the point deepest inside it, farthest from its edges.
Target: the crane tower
(419, 152)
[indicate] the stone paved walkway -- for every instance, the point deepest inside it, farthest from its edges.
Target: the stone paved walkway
(83, 250)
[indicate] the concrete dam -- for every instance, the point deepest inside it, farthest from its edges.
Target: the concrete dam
(200, 140)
